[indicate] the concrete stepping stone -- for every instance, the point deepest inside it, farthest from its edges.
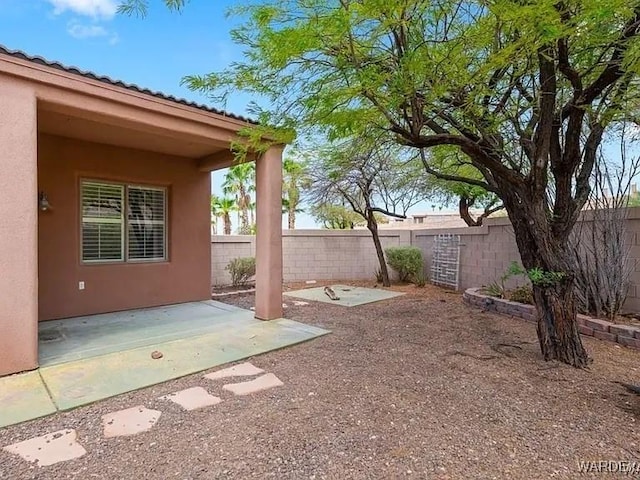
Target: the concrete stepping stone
(192, 398)
(245, 369)
(129, 422)
(263, 382)
(49, 449)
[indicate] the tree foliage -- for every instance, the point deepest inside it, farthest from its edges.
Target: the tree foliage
(222, 207)
(468, 197)
(295, 179)
(526, 90)
(239, 181)
(372, 177)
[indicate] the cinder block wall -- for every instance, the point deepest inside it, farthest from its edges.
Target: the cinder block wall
(335, 254)
(225, 248)
(485, 253)
(311, 254)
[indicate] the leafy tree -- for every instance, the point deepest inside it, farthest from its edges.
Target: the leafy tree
(240, 181)
(340, 217)
(372, 179)
(215, 213)
(467, 196)
(526, 90)
(336, 217)
(222, 207)
(295, 178)
(634, 199)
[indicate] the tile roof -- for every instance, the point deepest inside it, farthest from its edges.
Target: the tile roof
(118, 83)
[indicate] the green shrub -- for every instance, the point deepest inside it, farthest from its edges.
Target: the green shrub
(406, 261)
(241, 270)
(493, 290)
(419, 279)
(522, 294)
(497, 289)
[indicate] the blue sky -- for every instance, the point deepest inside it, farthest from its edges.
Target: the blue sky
(154, 52)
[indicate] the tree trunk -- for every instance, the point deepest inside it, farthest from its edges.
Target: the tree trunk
(243, 206)
(463, 207)
(372, 225)
(292, 217)
(557, 326)
(554, 297)
(227, 224)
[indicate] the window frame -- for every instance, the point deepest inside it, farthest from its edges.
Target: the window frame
(124, 244)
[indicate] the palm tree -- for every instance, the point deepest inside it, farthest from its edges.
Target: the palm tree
(215, 213)
(239, 182)
(295, 178)
(223, 208)
(287, 209)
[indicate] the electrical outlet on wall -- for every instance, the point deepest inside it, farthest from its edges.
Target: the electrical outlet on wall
(80, 285)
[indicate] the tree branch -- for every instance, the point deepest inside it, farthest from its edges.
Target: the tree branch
(386, 212)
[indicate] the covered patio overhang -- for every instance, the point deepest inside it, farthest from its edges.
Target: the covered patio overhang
(51, 113)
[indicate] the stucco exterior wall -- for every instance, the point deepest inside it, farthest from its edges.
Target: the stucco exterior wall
(18, 240)
(62, 163)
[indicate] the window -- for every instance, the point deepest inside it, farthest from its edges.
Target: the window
(123, 223)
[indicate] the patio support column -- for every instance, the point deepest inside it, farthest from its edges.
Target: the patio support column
(269, 234)
(18, 228)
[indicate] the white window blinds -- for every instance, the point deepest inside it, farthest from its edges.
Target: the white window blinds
(102, 222)
(108, 235)
(146, 226)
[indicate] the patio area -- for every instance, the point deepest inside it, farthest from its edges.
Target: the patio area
(60, 341)
(90, 358)
(419, 386)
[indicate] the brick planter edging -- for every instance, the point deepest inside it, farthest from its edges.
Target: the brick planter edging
(626, 335)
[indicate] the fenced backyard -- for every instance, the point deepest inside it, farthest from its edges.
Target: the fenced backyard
(485, 253)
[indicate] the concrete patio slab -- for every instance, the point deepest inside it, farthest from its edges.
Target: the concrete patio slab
(349, 296)
(85, 381)
(192, 398)
(49, 449)
(130, 421)
(23, 397)
(264, 382)
(84, 337)
(92, 358)
(245, 369)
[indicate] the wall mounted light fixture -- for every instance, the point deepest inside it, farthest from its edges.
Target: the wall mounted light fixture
(43, 202)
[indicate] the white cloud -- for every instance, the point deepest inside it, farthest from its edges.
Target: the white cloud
(77, 30)
(91, 8)
(81, 32)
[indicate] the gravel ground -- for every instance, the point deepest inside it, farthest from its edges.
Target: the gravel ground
(420, 386)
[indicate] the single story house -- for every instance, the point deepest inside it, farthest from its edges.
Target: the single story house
(105, 200)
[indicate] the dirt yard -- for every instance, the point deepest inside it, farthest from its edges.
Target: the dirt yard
(420, 386)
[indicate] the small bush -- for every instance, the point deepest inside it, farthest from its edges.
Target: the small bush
(406, 261)
(241, 270)
(419, 279)
(493, 290)
(378, 274)
(522, 294)
(498, 289)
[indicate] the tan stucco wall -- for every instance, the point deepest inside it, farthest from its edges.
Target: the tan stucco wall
(62, 162)
(18, 241)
